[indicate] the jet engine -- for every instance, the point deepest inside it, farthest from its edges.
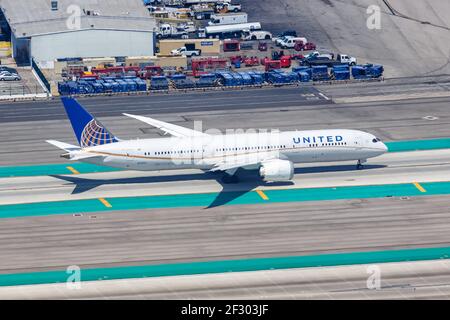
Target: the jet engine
(276, 170)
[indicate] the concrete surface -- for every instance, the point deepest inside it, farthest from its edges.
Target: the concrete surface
(405, 280)
(414, 41)
(26, 126)
(144, 237)
(391, 168)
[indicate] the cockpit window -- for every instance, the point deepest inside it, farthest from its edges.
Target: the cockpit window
(375, 140)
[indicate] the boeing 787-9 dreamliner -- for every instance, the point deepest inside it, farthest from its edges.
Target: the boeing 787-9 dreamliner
(272, 153)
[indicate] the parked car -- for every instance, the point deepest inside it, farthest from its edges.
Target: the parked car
(8, 76)
(9, 69)
(185, 52)
(301, 46)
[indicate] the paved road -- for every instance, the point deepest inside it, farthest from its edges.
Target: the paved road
(406, 280)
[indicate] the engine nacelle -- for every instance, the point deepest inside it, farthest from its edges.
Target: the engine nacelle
(277, 170)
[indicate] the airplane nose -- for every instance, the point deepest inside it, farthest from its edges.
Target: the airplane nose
(384, 147)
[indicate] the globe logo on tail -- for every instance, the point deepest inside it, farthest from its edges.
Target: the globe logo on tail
(94, 134)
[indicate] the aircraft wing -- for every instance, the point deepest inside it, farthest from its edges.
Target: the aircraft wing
(245, 161)
(172, 129)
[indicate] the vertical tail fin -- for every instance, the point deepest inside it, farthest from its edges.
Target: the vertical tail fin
(89, 131)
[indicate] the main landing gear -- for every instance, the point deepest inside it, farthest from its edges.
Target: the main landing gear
(359, 165)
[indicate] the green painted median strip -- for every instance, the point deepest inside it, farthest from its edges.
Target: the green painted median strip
(50, 169)
(257, 264)
(224, 198)
(416, 145)
(55, 169)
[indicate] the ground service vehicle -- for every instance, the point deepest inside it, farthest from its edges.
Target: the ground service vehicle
(346, 59)
(301, 46)
(228, 7)
(290, 42)
(278, 40)
(187, 51)
(230, 30)
(220, 19)
(256, 35)
(169, 31)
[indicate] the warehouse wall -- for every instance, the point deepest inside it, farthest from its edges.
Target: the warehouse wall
(91, 43)
(210, 46)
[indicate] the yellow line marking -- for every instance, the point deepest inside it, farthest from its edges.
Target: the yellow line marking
(105, 203)
(418, 186)
(71, 169)
(262, 195)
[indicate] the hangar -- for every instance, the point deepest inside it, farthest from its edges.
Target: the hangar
(45, 30)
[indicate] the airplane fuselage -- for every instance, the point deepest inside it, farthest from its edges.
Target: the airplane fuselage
(203, 152)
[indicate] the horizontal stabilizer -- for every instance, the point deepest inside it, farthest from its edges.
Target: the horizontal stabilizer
(63, 145)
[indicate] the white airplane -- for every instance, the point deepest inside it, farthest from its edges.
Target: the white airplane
(272, 153)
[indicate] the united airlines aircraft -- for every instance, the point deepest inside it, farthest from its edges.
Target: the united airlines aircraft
(272, 153)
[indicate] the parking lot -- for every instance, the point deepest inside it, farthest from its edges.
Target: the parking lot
(27, 86)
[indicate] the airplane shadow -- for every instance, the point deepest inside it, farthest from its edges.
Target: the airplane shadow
(248, 180)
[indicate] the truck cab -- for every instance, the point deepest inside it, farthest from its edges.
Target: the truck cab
(256, 35)
(169, 31)
(290, 42)
(224, 7)
(318, 55)
(344, 58)
(183, 51)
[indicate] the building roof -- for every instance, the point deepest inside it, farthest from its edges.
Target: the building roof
(36, 17)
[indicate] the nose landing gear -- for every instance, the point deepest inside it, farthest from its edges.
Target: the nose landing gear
(359, 165)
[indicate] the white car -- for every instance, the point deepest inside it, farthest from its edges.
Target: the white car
(257, 35)
(8, 76)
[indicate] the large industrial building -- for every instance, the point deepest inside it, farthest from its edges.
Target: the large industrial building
(46, 30)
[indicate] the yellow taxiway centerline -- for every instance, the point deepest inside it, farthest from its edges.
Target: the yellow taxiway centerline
(71, 169)
(262, 195)
(105, 202)
(419, 187)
